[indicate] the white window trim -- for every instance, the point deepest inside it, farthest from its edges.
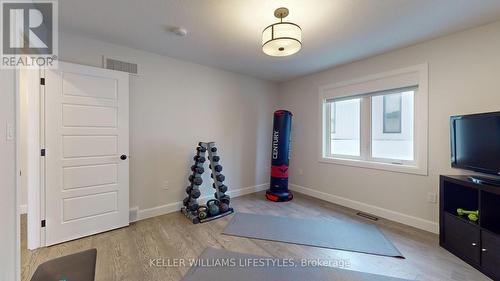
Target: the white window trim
(409, 76)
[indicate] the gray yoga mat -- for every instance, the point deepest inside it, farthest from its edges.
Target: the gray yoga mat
(210, 267)
(332, 234)
(79, 266)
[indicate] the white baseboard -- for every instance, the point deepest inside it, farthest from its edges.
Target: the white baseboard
(378, 211)
(136, 214)
(23, 209)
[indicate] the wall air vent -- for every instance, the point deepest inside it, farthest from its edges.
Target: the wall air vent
(121, 66)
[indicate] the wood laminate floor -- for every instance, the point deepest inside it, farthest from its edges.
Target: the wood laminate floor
(125, 254)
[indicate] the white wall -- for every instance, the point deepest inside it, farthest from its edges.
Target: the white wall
(463, 78)
(8, 232)
(174, 105)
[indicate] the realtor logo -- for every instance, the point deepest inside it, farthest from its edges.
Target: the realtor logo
(29, 34)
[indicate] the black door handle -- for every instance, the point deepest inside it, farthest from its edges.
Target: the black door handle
(123, 157)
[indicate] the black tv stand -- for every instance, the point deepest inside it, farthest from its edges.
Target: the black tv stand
(475, 242)
(484, 180)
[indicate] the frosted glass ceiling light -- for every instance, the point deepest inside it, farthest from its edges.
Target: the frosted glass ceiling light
(283, 38)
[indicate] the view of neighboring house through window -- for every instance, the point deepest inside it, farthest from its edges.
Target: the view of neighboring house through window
(392, 125)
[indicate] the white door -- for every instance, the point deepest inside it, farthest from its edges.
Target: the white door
(86, 149)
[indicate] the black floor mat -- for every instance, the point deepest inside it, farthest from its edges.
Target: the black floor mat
(77, 267)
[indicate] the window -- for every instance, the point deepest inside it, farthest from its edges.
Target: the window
(345, 137)
(392, 113)
(392, 125)
(380, 122)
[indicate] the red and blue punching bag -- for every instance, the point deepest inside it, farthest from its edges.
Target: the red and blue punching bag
(280, 157)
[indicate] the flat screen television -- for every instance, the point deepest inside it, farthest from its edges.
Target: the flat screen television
(475, 142)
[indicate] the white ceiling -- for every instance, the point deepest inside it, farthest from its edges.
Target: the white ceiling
(227, 33)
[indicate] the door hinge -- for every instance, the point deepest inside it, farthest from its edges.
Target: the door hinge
(42, 81)
(42, 152)
(43, 223)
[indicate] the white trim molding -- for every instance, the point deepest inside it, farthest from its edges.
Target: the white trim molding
(416, 75)
(33, 174)
(413, 221)
(137, 214)
(23, 209)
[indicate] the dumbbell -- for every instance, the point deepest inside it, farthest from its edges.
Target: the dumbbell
(472, 215)
(213, 207)
(223, 188)
(213, 149)
(462, 212)
(219, 195)
(199, 159)
(225, 199)
(220, 177)
(201, 149)
(197, 181)
(193, 207)
(195, 193)
(223, 207)
(185, 202)
(188, 189)
(218, 168)
(198, 170)
(215, 158)
(202, 212)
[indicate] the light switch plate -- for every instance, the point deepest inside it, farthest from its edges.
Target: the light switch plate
(10, 132)
(165, 185)
(432, 197)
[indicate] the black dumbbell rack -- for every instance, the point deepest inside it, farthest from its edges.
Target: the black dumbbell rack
(191, 208)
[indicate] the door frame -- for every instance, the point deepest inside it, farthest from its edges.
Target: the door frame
(34, 162)
(17, 231)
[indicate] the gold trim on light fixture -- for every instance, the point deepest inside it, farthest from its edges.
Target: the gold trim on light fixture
(283, 38)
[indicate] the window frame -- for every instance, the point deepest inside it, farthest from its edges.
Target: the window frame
(362, 88)
(333, 119)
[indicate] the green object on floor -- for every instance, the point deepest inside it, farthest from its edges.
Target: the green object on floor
(471, 215)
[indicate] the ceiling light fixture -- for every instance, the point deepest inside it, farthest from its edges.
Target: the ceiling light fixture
(283, 38)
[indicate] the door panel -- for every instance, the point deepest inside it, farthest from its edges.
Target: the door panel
(84, 176)
(77, 207)
(89, 146)
(82, 84)
(491, 253)
(462, 237)
(86, 128)
(89, 116)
